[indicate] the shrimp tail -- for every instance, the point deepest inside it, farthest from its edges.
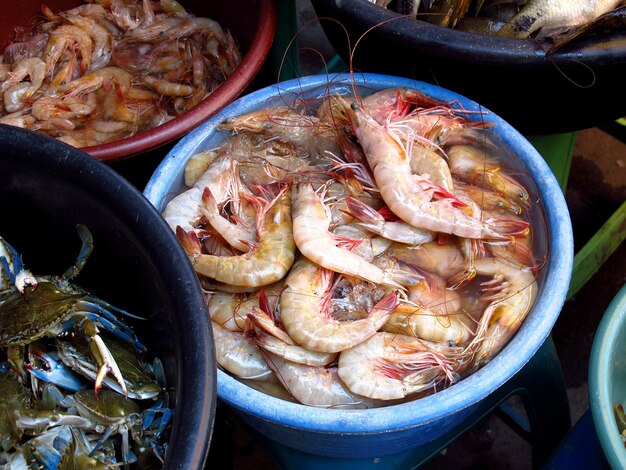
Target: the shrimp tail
(384, 307)
(364, 213)
(509, 227)
(263, 321)
(403, 277)
(461, 278)
(208, 201)
(438, 191)
(347, 243)
(189, 241)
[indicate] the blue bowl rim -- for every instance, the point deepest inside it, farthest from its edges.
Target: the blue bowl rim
(470, 390)
(601, 398)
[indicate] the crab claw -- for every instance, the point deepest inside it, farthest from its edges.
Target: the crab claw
(103, 358)
(25, 279)
(47, 367)
(108, 364)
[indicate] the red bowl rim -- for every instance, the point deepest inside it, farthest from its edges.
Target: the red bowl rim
(223, 95)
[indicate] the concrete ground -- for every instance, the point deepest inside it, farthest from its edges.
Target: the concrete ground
(597, 186)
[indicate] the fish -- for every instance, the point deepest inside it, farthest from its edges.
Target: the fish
(545, 15)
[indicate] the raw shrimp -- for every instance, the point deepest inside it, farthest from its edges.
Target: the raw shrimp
(444, 260)
(311, 221)
(266, 264)
(304, 311)
(101, 36)
(175, 27)
(369, 246)
(18, 120)
(287, 125)
(33, 68)
(487, 199)
(15, 96)
(424, 160)
(166, 88)
(390, 366)
(230, 310)
(452, 328)
(184, 209)
(197, 165)
(63, 38)
(241, 237)
(47, 107)
(511, 292)
(238, 354)
(398, 231)
(316, 386)
(292, 352)
(476, 167)
(407, 197)
(395, 102)
(264, 161)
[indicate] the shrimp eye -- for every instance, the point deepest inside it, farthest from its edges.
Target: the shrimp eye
(228, 120)
(346, 129)
(500, 204)
(354, 106)
(451, 343)
(267, 126)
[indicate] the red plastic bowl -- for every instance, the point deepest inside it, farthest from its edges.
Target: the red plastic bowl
(252, 24)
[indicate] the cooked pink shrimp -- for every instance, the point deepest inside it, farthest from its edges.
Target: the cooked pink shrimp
(408, 197)
(304, 311)
(311, 222)
(391, 366)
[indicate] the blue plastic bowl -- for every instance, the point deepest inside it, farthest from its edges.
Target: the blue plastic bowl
(607, 378)
(393, 429)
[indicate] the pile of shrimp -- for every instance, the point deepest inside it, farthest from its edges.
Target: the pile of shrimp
(109, 69)
(359, 251)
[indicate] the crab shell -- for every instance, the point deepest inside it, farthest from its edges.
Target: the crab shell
(26, 317)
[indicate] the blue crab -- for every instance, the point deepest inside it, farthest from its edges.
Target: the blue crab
(34, 307)
(142, 379)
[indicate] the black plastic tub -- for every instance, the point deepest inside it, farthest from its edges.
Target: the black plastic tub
(46, 188)
(579, 86)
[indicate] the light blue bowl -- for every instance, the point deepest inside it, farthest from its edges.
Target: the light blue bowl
(398, 428)
(607, 378)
